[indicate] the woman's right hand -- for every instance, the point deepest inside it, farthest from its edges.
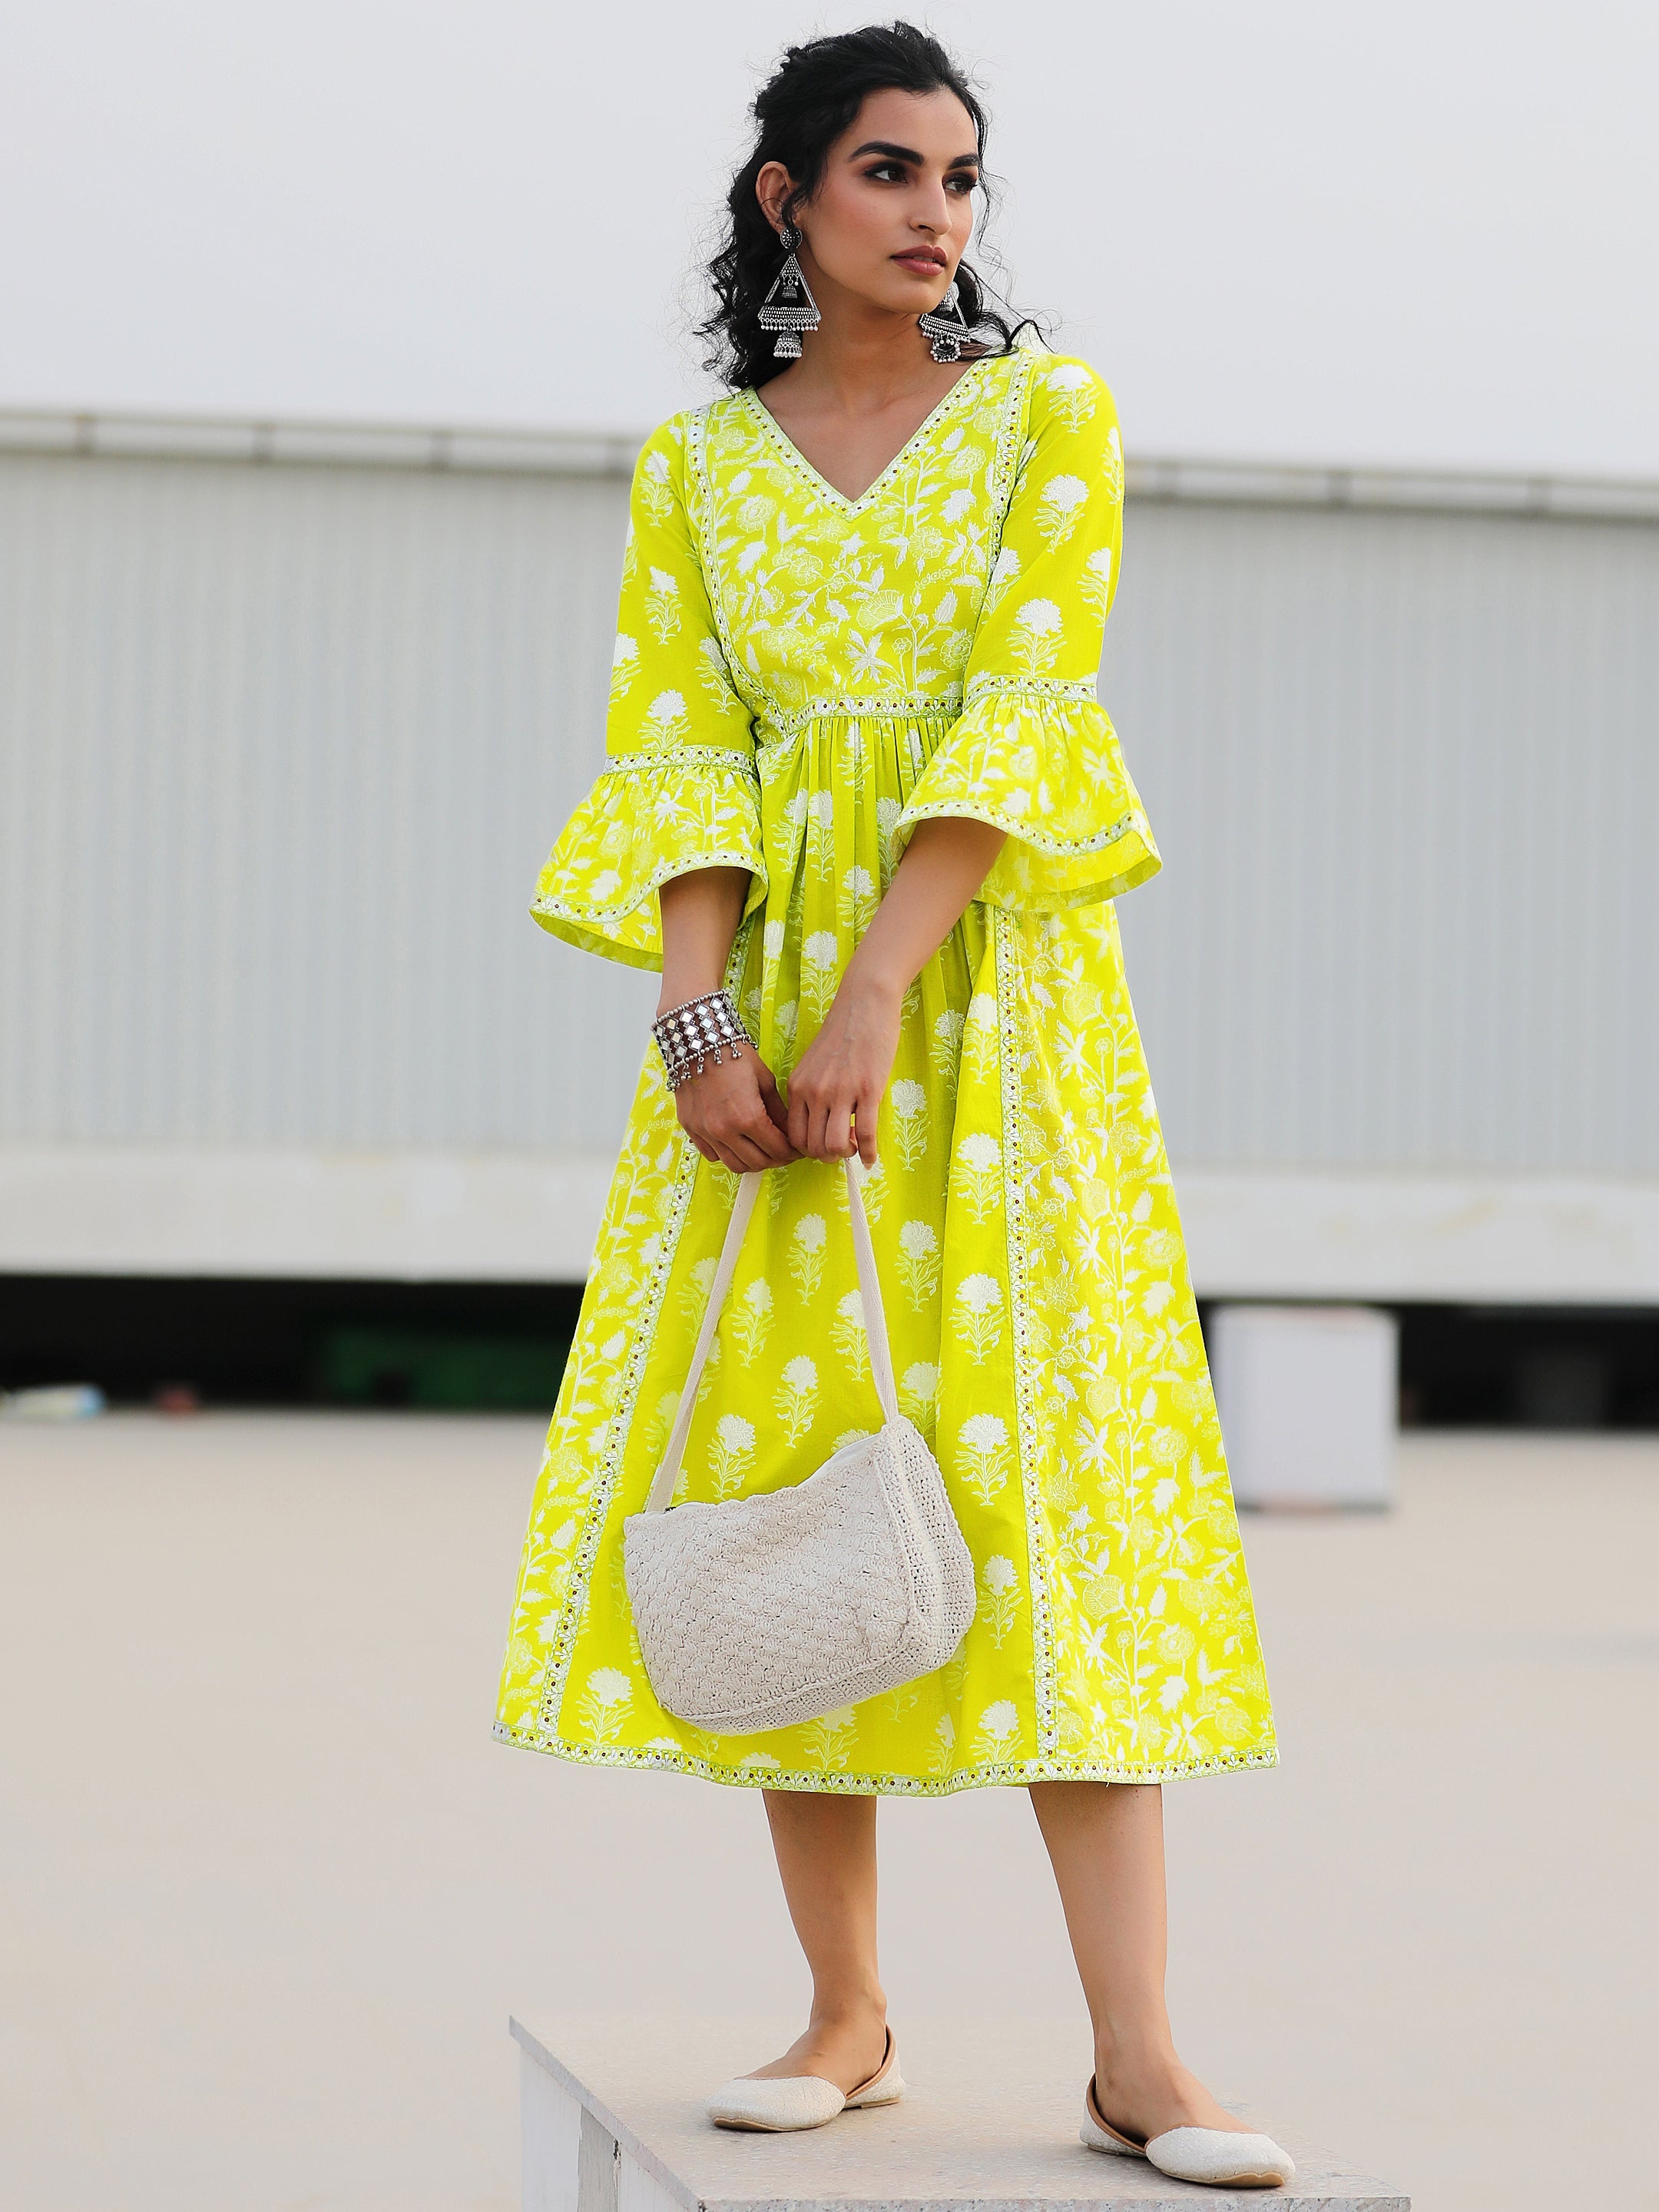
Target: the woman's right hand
(732, 1112)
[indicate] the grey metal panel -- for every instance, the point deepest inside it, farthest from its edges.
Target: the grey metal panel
(283, 749)
(1405, 772)
(283, 746)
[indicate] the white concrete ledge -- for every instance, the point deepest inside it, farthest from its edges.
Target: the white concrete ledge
(1503, 1240)
(613, 2122)
(404, 1216)
(518, 1217)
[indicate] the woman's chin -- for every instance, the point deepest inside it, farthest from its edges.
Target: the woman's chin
(904, 296)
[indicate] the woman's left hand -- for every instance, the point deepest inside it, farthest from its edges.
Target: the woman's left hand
(841, 1076)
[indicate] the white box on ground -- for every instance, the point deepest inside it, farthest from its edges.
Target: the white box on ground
(1309, 1402)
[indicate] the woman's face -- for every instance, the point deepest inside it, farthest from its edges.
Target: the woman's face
(894, 212)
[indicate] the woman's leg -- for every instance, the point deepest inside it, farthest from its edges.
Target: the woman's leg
(826, 1853)
(1106, 1842)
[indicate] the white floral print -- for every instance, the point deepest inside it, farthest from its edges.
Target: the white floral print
(798, 680)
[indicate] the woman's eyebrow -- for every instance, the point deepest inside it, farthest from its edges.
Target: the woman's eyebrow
(908, 154)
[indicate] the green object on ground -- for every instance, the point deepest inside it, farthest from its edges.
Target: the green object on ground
(438, 1370)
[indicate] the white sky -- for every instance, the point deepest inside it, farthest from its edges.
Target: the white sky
(1294, 228)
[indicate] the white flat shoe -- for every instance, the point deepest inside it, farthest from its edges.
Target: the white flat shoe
(779, 2103)
(1217, 2155)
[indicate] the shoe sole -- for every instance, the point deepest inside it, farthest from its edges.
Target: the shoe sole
(765, 2128)
(1232, 2181)
(797, 2128)
(1256, 2179)
(1117, 2146)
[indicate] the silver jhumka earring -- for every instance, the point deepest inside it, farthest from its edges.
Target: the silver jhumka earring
(945, 327)
(789, 307)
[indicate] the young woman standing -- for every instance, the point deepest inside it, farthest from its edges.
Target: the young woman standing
(859, 780)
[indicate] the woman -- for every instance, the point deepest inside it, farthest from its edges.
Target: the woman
(859, 778)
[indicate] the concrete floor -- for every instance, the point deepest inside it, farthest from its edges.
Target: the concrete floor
(271, 1888)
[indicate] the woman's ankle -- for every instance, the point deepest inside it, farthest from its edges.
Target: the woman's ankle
(849, 2003)
(1131, 2056)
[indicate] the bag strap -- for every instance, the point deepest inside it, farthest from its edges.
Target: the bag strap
(875, 1319)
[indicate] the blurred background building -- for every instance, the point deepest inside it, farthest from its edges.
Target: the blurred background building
(294, 1100)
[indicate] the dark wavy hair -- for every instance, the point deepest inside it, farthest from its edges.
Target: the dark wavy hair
(810, 97)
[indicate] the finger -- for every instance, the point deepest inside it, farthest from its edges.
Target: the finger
(751, 1154)
(767, 1107)
(756, 1134)
(778, 1114)
(777, 1110)
(865, 1136)
(709, 1146)
(798, 1123)
(692, 1138)
(768, 1138)
(834, 1130)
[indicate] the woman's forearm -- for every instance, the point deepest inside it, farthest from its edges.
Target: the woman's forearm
(944, 864)
(700, 916)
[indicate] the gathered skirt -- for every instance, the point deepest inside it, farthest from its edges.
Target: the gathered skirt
(1043, 1333)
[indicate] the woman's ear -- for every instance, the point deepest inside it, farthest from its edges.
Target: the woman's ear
(772, 189)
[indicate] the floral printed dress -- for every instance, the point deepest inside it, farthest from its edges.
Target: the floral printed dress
(800, 679)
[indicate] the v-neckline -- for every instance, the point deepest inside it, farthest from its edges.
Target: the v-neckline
(792, 453)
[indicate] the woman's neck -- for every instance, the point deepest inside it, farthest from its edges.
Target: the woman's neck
(861, 361)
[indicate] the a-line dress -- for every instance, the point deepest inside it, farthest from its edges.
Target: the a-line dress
(798, 680)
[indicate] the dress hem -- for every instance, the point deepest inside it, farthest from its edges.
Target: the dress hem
(1014, 1773)
(1132, 830)
(595, 929)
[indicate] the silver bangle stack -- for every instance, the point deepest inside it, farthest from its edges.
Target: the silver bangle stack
(688, 1036)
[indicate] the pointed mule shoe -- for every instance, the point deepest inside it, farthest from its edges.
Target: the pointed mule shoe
(782, 2102)
(1215, 2155)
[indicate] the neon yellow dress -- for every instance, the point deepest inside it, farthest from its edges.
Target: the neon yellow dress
(799, 679)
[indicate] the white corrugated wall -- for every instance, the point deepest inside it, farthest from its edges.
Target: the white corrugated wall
(285, 743)
(284, 747)
(1405, 772)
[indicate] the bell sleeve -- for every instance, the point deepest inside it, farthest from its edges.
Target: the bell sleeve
(679, 790)
(1033, 752)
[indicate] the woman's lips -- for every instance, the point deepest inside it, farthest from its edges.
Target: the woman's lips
(924, 264)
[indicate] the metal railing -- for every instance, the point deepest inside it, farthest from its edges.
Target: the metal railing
(73, 433)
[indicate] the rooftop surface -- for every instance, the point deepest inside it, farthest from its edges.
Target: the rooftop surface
(276, 1890)
(989, 2122)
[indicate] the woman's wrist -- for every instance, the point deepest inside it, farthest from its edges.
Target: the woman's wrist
(873, 978)
(708, 1029)
(679, 989)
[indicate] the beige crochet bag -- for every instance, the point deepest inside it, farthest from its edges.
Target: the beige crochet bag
(768, 1610)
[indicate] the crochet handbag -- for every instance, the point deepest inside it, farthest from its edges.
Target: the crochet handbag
(764, 1611)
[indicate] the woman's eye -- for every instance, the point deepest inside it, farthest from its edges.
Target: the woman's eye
(895, 173)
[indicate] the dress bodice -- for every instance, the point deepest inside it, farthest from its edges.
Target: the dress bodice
(826, 602)
(933, 645)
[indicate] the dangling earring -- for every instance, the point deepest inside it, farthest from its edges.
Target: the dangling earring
(789, 307)
(946, 326)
